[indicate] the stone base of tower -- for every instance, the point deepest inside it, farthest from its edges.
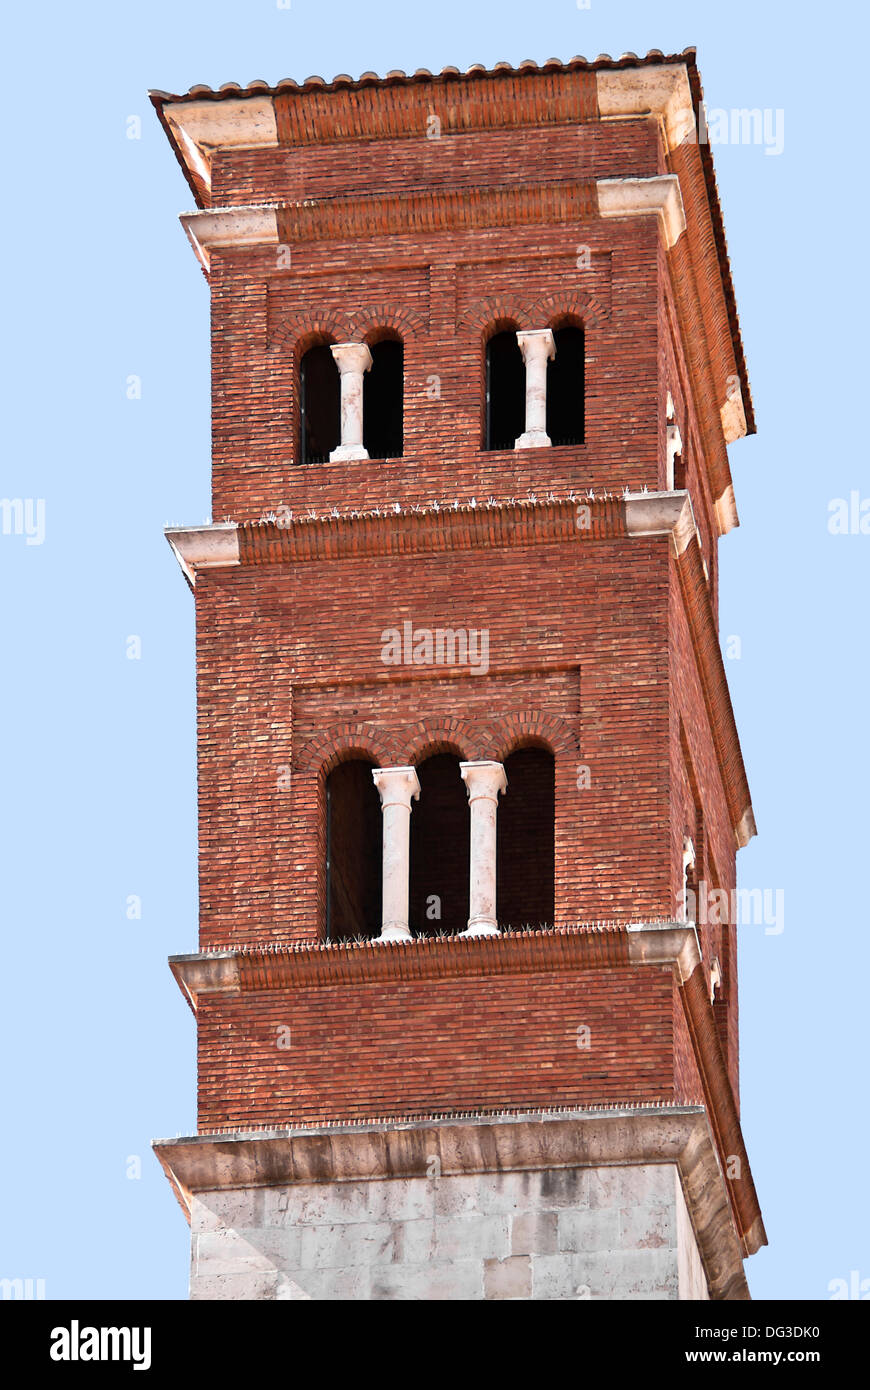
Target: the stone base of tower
(622, 1204)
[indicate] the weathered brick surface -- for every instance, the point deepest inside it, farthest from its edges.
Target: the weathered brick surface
(270, 692)
(447, 1045)
(592, 653)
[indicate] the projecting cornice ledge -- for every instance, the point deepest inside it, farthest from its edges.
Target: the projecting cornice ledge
(543, 1140)
(204, 547)
(426, 530)
(639, 197)
(313, 965)
(662, 514)
(253, 225)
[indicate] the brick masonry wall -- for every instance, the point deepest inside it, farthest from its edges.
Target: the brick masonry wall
(443, 293)
(594, 640)
(290, 676)
(363, 1049)
(503, 157)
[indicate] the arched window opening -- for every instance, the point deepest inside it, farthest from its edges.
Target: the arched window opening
(353, 852)
(565, 387)
(383, 392)
(505, 391)
(320, 401)
(525, 851)
(440, 849)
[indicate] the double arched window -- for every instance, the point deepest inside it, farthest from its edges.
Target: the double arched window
(507, 378)
(379, 401)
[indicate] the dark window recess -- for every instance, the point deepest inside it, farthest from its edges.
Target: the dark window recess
(525, 841)
(440, 849)
(383, 390)
(505, 391)
(679, 473)
(320, 396)
(565, 388)
(354, 839)
(692, 892)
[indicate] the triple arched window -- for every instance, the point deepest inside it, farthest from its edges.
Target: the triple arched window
(440, 865)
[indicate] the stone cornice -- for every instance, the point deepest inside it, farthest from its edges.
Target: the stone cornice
(641, 197)
(254, 224)
(323, 966)
(722, 1108)
(544, 1140)
(204, 547)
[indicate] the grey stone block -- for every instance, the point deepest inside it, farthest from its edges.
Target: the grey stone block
(471, 1237)
(458, 1280)
(510, 1278)
(339, 1247)
(591, 1229)
(535, 1233)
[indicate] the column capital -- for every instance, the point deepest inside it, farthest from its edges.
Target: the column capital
(536, 343)
(351, 357)
(397, 786)
(483, 779)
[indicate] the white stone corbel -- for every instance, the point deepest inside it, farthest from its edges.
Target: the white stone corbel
(538, 346)
(397, 788)
(484, 781)
(658, 193)
(662, 91)
(201, 127)
(353, 361)
(221, 228)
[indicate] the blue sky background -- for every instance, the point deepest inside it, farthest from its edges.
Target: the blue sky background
(97, 782)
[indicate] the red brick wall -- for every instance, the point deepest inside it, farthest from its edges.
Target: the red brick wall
(436, 1046)
(594, 639)
(431, 288)
(290, 674)
(502, 157)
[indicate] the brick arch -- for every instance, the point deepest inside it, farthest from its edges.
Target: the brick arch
(586, 307)
(406, 322)
(337, 743)
(486, 312)
(529, 728)
(297, 330)
(431, 736)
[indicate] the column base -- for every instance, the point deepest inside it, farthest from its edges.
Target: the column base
(533, 439)
(481, 926)
(348, 453)
(394, 931)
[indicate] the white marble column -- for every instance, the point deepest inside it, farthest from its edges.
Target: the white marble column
(675, 448)
(537, 347)
(484, 781)
(353, 361)
(398, 787)
(688, 863)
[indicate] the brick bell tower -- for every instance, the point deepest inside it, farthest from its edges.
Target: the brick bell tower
(464, 732)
